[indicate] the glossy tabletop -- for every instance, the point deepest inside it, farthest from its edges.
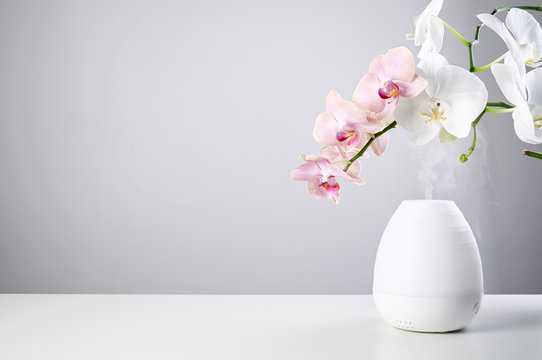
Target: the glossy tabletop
(254, 327)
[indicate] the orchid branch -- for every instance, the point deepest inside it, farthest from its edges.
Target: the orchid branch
(499, 111)
(532, 154)
(464, 157)
(454, 31)
(373, 137)
(487, 66)
(500, 104)
(471, 60)
(505, 109)
(522, 7)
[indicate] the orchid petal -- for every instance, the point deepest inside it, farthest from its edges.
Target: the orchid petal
(421, 21)
(465, 96)
(534, 86)
(426, 49)
(355, 168)
(366, 94)
(523, 124)
(396, 64)
(408, 113)
(430, 66)
(523, 26)
(536, 115)
(373, 125)
(380, 144)
(518, 79)
(355, 179)
(411, 88)
(387, 111)
(376, 66)
(344, 111)
(435, 30)
(383, 120)
(425, 134)
(325, 129)
(507, 82)
(316, 190)
(332, 153)
(340, 174)
(305, 171)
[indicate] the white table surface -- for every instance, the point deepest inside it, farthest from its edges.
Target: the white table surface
(252, 327)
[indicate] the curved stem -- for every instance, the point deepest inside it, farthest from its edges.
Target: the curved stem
(499, 111)
(523, 7)
(454, 31)
(471, 60)
(373, 138)
(500, 104)
(464, 157)
(487, 66)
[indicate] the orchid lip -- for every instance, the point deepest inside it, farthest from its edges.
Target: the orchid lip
(331, 186)
(350, 136)
(388, 90)
(434, 111)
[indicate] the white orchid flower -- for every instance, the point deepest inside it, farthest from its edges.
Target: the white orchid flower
(429, 30)
(452, 99)
(521, 34)
(526, 96)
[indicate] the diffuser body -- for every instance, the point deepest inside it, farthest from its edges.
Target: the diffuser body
(428, 273)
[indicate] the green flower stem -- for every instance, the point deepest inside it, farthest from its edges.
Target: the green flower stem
(487, 66)
(523, 7)
(465, 157)
(373, 138)
(500, 104)
(505, 109)
(532, 154)
(499, 111)
(454, 31)
(471, 60)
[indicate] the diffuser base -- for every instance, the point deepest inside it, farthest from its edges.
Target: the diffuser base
(427, 314)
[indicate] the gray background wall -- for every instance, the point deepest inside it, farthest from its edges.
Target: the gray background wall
(145, 146)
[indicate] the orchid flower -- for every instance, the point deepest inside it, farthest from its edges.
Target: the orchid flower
(343, 123)
(522, 35)
(322, 177)
(429, 30)
(390, 76)
(526, 96)
(452, 99)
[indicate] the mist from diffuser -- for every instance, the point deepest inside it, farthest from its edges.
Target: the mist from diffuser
(428, 272)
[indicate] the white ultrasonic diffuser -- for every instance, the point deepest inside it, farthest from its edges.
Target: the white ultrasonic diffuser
(428, 273)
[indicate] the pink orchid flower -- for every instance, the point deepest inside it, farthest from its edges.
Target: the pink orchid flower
(343, 123)
(390, 76)
(322, 177)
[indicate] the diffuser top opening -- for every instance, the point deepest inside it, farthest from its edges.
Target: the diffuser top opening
(414, 201)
